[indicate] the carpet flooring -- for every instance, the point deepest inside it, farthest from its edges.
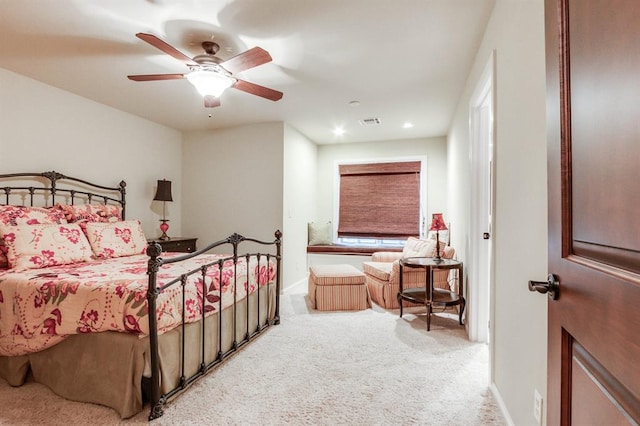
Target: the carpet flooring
(316, 368)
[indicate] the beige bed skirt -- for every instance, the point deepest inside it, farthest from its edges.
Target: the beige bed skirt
(108, 368)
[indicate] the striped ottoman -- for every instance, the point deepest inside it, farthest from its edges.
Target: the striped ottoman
(337, 288)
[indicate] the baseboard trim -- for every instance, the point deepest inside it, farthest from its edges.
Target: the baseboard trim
(501, 404)
(295, 284)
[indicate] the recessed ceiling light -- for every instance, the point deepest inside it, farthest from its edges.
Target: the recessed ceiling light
(338, 131)
(354, 103)
(407, 125)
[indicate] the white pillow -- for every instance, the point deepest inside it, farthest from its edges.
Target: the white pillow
(443, 236)
(320, 234)
(416, 247)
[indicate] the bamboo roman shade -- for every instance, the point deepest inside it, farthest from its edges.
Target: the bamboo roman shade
(379, 200)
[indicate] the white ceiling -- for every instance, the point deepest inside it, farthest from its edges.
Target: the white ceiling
(403, 60)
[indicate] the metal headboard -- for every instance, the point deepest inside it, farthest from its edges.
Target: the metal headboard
(52, 187)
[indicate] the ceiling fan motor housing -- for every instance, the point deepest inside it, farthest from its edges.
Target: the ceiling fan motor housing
(210, 47)
(208, 61)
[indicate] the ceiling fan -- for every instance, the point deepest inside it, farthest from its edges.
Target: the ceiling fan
(211, 75)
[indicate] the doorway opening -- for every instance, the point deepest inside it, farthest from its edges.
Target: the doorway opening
(481, 132)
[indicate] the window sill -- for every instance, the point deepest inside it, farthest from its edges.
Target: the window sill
(349, 249)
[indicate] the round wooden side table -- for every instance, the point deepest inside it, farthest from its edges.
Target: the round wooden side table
(429, 295)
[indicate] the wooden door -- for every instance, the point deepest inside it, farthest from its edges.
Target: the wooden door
(593, 107)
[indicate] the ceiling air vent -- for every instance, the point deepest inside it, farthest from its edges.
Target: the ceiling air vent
(369, 121)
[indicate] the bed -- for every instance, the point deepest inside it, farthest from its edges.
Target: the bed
(92, 311)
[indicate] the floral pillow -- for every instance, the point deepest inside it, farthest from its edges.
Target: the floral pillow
(4, 262)
(24, 215)
(43, 245)
(116, 239)
(91, 212)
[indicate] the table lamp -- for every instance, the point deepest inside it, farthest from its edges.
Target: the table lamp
(437, 224)
(163, 193)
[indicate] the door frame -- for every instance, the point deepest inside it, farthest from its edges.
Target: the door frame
(482, 161)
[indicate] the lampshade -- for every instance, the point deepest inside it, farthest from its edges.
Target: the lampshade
(209, 82)
(163, 193)
(437, 223)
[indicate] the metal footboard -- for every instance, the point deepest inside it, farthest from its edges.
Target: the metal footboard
(159, 399)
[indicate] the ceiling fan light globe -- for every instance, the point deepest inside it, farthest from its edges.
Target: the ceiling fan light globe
(209, 83)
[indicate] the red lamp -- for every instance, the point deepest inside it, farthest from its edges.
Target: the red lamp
(163, 193)
(437, 224)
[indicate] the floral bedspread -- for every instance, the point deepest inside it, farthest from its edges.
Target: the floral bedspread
(40, 307)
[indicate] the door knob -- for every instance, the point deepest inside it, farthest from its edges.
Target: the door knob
(486, 236)
(551, 286)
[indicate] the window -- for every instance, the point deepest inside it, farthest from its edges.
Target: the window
(379, 201)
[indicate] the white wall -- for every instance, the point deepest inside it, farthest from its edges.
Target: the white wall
(233, 182)
(516, 32)
(300, 175)
(43, 128)
(435, 149)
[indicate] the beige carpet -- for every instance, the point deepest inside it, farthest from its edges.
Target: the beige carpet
(326, 368)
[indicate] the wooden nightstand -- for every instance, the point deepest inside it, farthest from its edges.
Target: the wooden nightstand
(179, 244)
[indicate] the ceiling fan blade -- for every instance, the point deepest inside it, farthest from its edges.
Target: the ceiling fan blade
(245, 60)
(166, 48)
(211, 101)
(154, 77)
(258, 90)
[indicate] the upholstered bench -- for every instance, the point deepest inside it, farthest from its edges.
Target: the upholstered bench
(338, 288)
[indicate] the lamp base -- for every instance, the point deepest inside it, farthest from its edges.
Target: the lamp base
(438, 258)
(164, 227)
